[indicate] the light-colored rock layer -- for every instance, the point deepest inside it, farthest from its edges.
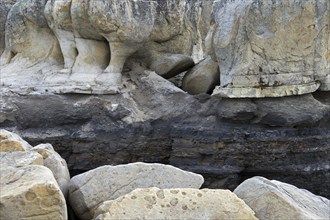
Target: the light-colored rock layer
(202, 78)
(31, 193)
(154, 203)
(267, 48)
(277, 200)
(56, 164)
(20, 159)
(90, 189)
(12, 142)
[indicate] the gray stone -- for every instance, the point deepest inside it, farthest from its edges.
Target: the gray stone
(89, 189)
(271, 199)
(177, 203)
(202, 78)
(20, 159)
(5, 6)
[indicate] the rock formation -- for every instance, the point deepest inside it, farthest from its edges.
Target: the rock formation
(271, 199)
(90, 189)
(271, 48)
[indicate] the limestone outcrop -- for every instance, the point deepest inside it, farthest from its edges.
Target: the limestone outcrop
(271, 199)
(176, 203)
(30, 192)
(269, 48)
(90, 189)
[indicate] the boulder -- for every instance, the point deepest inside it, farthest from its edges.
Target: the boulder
(271, 199)
(267, 48)
(20, 159)
(89, 189)
(30, 192)
(56, 164)
(202, 78)
(179, 203)
(12, 142)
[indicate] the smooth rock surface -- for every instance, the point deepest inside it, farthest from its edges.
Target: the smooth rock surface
(267, 48)
(31, 193)
(10, 142)
(89, 189)
(20, 159)
(202, 78)
(154, 203)
(53, 161)
(271, 199)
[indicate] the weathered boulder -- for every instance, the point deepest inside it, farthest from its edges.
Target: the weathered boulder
(56, 164)
(89, 189)
(271, 199)
(271, 49)
(179, 203)
(202, 78)
(20, 159)
(30, 192)
(12, 142)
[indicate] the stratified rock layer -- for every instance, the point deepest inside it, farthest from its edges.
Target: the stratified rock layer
(180, 203)
(271, 199)
(225, 140)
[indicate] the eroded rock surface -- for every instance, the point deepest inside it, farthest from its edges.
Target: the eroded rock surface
(30, 192)
(269, 48)
(271, 199)
(89, 189)
(10, 142)
(154, 203)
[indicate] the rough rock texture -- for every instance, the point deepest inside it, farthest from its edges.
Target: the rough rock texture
(267, 48)
(154, 203)
(20, 159)
(162, 35)
(202, 78)
(5, 6)
(10, 142)
(225, 140)
(89, 189)
(33, 191)
(271, 199)
(56, 164)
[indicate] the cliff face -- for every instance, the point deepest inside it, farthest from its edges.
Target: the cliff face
(52, 69)
(226, 140)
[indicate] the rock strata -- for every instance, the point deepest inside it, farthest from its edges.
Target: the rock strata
(89, 189)
(271, 199)
(176, 203)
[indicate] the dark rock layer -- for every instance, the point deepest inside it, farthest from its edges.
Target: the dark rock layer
(225, 140)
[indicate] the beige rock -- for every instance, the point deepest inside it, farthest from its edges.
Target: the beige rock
(20, 159)
(89, 189)
(270, 48)
(202, 78)
(154, 203)
(271, 199)
(30, 193)
(56, 164)
(12, 142)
